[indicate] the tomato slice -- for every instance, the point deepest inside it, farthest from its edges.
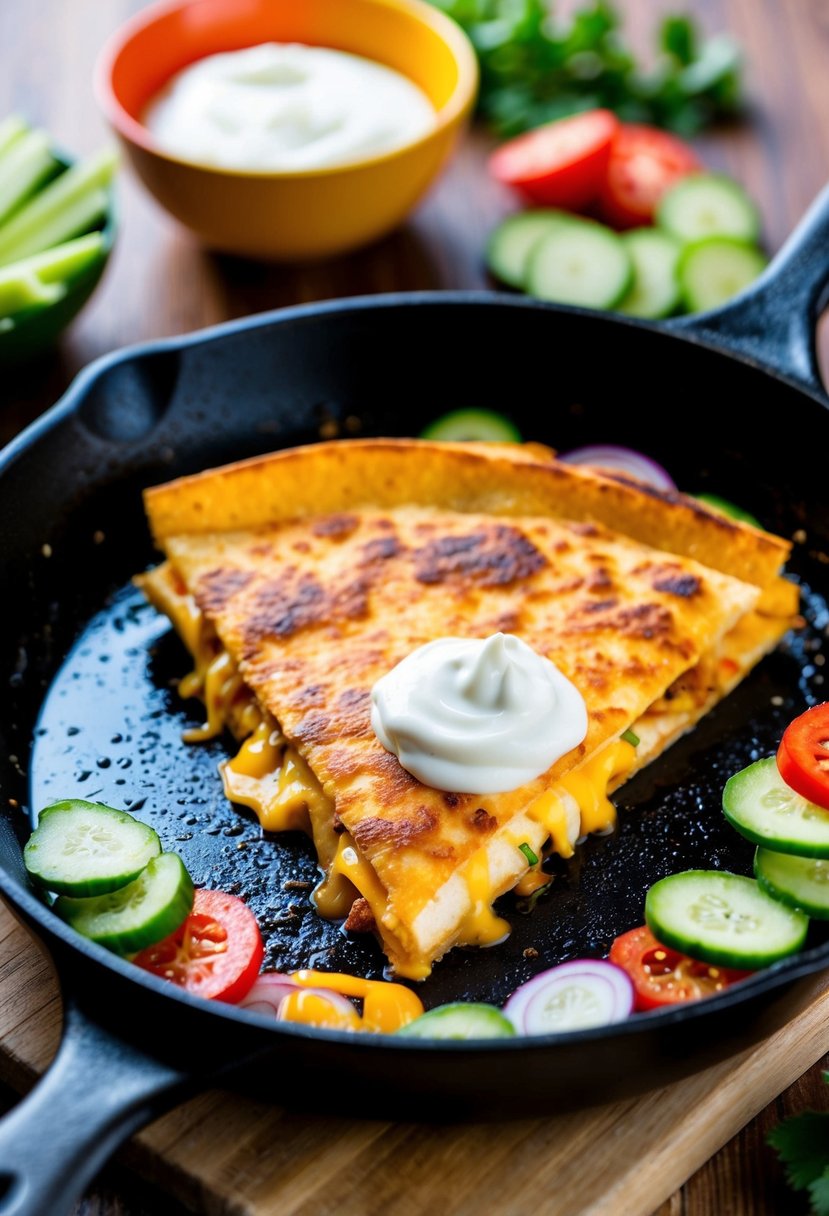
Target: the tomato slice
(561, 164)
(642, 164)
(216, 953)
(803, 755)
(662, 976)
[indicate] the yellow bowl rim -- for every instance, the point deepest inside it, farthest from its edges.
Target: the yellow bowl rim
(453, 111)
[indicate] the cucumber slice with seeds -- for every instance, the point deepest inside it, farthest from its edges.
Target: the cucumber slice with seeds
(460, 1021)
(580, 263)
(724, 919)
(138, 915)
(83, 848)
(654, 292)
(509, 246)
(712, 271)
(759, 804)
(800, 882)
(708, 204)
(472, 426)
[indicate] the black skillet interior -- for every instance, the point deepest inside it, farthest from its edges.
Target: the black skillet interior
(93, 670)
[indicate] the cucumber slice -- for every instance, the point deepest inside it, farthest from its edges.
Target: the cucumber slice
(759, 804)
(138, 915)
(655, 289)
(712, 271)
(509, 246)
(84, 848)
(26, 165)
(472, 426)
(800, 882)
(11, 129)
(580, 263)
(724, 919)
(708, 204)
(726, 507)
(460, 1021)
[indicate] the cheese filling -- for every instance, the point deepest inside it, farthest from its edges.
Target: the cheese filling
(270, 777)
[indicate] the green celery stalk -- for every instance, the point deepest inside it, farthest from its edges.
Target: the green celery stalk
(23, 233)
(11, 129)
(42, 279)
(77, 217)
(26, 163)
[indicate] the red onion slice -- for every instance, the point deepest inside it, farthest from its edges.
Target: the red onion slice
(268, 992)
(622, 460)
(574, 996)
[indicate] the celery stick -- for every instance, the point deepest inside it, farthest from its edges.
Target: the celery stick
(23, 230)
(11, 129)
(78, 216)
(25, 165)
(42, 279)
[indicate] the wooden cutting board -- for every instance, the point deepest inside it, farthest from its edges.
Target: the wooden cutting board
(223, 1155)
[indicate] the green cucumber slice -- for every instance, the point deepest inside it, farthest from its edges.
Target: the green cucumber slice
(460, 1021)
(726, 507)
(800, 882)
(708, 204)
(509, 246)
(83, 848)
(26, 164)
(759, 804)
(138, 915)
(655, 289)
(723, 918)
(712, 271)
(11, 129)
(580, 263)
(471, 426)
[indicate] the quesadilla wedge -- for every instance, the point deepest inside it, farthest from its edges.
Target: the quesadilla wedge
(297, 580)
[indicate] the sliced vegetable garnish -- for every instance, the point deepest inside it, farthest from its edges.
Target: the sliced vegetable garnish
(712, 271)
(41, 279)
(532, 858)
(560, 164)
(628, 736)
(509, 247)
(724, 919)
(473, 425)
(134, 916)
(216, 952)
(725, 507)
(83, 848)
(460, 1021)
(26, 163)
(574, 996)
(644, 163)
(654, 291)
(581, 263)
(708, 205)
(765, 809)
(663, 976)
(268, 992)
(622, 460)
(803, 755)
(800, 882)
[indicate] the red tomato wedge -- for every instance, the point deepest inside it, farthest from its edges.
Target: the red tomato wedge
(662, 976)
(643, 163)
(803, 755)
(561, 164)
(216, 953)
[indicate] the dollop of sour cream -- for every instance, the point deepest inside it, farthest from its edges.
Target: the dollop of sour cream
(477, 716)
(286, 107)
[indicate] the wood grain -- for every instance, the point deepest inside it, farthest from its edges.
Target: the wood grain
(160, 282)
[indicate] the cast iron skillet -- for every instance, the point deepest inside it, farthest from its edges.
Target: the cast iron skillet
(730, 401)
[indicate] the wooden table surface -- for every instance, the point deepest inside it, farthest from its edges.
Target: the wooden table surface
(160, 282)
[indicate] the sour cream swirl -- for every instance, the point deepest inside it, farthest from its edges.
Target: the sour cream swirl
(477, 715)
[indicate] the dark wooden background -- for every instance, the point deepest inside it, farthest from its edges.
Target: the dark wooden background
(160, 282)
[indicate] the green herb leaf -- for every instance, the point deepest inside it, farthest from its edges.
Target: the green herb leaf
(629, 737)
(819, 1194)
(526, 906)
(802, 1144)
(532, 859)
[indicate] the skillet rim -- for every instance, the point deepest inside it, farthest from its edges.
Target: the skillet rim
(767, 980)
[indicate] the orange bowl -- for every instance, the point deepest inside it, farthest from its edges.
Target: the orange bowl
(288, 215)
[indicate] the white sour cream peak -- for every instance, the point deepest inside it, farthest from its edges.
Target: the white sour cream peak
(477, 716)
(286, 107)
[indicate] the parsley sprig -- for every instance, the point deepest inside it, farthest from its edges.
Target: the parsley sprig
(535, 67)
(802, 1143)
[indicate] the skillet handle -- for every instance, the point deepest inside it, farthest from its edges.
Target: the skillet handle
(97, 1091)
(773, 322)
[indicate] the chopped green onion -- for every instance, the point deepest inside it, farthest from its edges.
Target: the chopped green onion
(529, 854)
(629, 737)
(526, 905)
